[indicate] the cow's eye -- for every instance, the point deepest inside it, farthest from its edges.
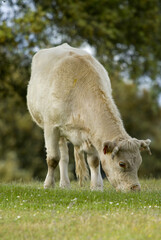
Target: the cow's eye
(122, 164)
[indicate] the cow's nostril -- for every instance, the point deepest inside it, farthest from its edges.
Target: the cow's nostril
(136, 187)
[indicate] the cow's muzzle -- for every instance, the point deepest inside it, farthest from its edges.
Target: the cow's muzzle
(136, 187)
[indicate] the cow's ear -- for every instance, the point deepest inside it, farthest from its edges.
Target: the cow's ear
(144, 145)
(108, 147)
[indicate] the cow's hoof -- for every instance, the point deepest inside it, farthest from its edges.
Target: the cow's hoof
(64, 185)
(46, 186)
(49, 183)
(97, 188)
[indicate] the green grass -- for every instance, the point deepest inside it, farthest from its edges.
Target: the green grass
(27, 211)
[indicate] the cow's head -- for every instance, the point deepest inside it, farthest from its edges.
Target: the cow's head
(121, 161)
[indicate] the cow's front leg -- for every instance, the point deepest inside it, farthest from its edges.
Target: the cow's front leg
(63, 164)
(51, 135)
(96, 178)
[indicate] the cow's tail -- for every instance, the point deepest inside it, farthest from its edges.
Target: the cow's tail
(82, 172)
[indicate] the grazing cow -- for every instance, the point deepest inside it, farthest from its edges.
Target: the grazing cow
(70, 97)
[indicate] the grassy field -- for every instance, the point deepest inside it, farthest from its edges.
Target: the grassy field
(27, 211)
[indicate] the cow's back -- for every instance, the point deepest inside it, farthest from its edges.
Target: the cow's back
(55, 72)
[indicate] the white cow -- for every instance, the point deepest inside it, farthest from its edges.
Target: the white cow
(70, 97)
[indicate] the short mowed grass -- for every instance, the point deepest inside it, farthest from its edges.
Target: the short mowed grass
(27, 211)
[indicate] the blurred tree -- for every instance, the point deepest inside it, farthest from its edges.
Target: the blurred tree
(123, 30)
(126, 36)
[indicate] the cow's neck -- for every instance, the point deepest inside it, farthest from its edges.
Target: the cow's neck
(105, 121)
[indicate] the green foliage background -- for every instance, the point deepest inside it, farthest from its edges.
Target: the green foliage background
(125, 36)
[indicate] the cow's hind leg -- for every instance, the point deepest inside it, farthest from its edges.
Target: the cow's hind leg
(51, 136)
(96, 178)
(63, 164)
(81, 167)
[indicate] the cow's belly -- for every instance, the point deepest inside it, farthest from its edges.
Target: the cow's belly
(79, 138)
(75, 136)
